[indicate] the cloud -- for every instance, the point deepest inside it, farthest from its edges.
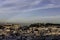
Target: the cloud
(10, 8)
(28, 5)
(45, 7)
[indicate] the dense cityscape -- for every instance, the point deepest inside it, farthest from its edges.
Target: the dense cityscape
(29, 19)
(36, 31)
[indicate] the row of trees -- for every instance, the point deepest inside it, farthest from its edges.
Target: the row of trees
(42, 24)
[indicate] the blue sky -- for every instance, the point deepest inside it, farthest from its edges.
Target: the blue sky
(30, 11)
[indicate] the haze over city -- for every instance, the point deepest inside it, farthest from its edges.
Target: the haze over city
(30, 11)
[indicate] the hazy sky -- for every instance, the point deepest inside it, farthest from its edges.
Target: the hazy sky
(29, 11)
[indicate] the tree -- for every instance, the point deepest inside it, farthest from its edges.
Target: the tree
(2, 27)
